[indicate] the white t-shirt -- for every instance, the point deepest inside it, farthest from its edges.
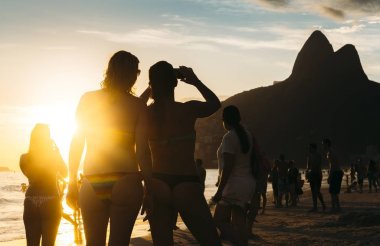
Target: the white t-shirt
(241, 184)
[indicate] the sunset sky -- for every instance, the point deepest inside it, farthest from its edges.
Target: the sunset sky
(51, 52)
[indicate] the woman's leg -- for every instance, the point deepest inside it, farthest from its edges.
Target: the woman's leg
(253, 211)
(161, 221)
(264, 195)
(32, 223)
(95, 215)
(127, 196)
(222, 218)
(239, 223)
(51, 212)
(193, 208)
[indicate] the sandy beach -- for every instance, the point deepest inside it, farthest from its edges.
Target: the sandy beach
(357, 224)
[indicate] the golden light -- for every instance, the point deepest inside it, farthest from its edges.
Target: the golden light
(61, 119)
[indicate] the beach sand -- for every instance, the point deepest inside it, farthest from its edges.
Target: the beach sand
(357, 224)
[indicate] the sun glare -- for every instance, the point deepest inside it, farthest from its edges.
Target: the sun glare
(61, 119)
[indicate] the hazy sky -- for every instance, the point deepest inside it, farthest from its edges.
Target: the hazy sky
(51, 52)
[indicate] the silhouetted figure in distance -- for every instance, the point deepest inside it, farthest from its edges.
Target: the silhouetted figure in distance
(372, 175)
(283, 185)
(335, 175)
(314, 176)
(273, 177)
(42, 164)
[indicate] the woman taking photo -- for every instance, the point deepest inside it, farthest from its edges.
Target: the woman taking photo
(237, 184)
(112, 126)
(175, 181)
(43, 166)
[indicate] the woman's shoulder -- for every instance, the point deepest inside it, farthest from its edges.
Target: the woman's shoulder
(230, 136)
(91, 95)
(24, 157)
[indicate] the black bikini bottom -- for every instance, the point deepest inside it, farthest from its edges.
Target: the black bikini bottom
(173, 180)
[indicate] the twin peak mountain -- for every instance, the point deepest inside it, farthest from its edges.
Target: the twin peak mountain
(327, 95)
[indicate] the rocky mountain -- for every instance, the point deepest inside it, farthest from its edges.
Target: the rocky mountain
(327, 94)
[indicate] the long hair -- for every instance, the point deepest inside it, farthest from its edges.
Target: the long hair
(122, 71)
(231, 116)
(162, 81)
(41, 145)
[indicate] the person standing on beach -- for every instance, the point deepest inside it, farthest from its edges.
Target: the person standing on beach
(372, 175)
(237, 183)
(42, 165)
(175, 180)
(314, 176)
(335, 175)
(112, 124)
(361, 173)
(273, 177)
(293, 183)
(283, 186)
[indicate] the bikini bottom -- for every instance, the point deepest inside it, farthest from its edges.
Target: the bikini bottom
(173, 180)
(102, 184)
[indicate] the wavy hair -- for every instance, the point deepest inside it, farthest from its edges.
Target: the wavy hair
(122, 72)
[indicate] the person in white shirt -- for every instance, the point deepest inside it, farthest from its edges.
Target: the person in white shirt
(237, 184)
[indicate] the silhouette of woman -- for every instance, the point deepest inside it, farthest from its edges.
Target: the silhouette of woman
(112, 125)
(237, 184)
(335, 175)
(42, 165)
(175, 181)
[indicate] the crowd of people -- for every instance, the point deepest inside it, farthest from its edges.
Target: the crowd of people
(359, 171)
(139, 155)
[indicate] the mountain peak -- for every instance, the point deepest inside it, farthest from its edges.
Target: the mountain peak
(347, 65)
(308, 62)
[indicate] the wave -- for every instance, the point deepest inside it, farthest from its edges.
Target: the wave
(11, 188)
(4, 200)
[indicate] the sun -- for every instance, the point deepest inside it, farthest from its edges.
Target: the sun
(61, 120)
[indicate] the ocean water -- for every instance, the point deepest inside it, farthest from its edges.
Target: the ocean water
(12, 199)
(11, 206)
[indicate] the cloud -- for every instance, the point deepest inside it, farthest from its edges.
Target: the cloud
(166, 37)
(345, 29)
(331, 12)
(180, 19)
(274, 3)
(337, 10)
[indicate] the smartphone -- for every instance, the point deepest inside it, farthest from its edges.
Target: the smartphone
(178, 73)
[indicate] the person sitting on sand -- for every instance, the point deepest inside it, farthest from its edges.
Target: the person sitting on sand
(314, 176)
(237, 183)
(335, 175)
(112, 124)
(42, 206)
(175, 180)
